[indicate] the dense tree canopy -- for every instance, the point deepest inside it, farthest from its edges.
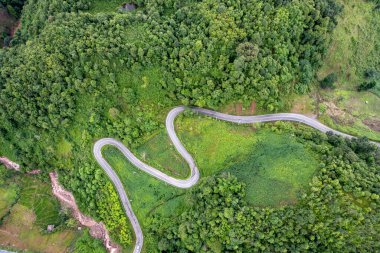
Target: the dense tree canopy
(69, 78)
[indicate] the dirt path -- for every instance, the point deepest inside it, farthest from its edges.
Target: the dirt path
(9, 164)
(97, 229)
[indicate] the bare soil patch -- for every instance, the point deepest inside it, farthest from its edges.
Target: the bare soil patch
(338, 115)
(374, 124)
(97, 229)
(238, 108)
(9, 164)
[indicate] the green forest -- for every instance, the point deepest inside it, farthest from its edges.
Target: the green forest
(76, 71)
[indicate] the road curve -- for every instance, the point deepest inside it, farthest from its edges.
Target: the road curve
(194, 175)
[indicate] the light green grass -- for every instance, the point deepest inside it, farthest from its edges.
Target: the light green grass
(275, 170)
(215, 145)
(105, 6)
(148, 195)
(64, 148)
(355, 44)
(8, 195)
(355, 48)
(273, 166)
(160, 153)
(37, 196)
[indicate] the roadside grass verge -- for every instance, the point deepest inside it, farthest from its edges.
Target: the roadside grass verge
(356, 107)
(147, 195)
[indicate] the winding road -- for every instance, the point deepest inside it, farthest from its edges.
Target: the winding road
(194, 175)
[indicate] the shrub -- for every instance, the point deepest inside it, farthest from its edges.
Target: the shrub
(329, 81)
(366, 85)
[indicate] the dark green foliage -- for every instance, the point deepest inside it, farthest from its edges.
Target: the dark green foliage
(371, 74)
(86, 243)
(329, 81)
(367, 85)
(14, 7)
(372, 77)
(338, 214)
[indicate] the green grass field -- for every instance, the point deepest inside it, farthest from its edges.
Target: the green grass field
(27, 217)
(355, 44)
(37, 196)
(8, 195)
(274, 166)
(105, 6)
(355, 48)
(275, 170)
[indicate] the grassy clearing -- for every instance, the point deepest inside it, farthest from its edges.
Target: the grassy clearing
(215, 145)
(356, 107)
(160, 153)
(105, 6)
(275, 170)
(355, 48)
(355, 44)
(274, 166)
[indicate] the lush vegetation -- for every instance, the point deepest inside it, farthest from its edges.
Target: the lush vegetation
(88, 244)
(14, 7)
(72, 76)
(353, 56)
(77, 71)
(340, 212)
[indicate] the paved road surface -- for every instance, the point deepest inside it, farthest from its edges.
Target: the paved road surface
(194, 175)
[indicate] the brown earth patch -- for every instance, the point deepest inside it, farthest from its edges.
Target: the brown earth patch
(15, 28)
(9, 164)
(238, 109)
(253, 107)
(374, 124)
(97, 229)
(338, 115)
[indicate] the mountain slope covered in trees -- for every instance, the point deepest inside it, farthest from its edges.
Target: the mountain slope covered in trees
(72, 76)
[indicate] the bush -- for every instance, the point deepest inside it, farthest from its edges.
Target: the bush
(367, 85)
(329, 81)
